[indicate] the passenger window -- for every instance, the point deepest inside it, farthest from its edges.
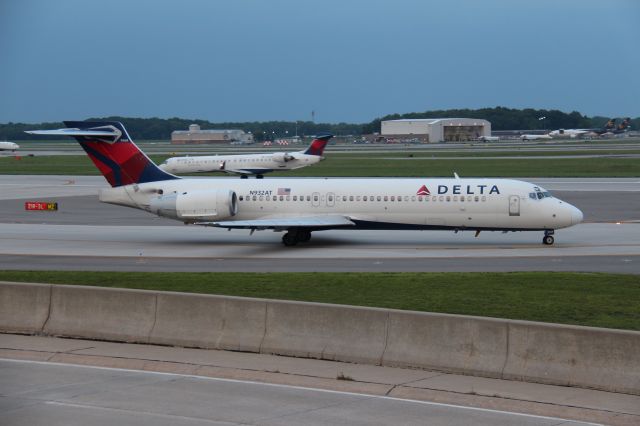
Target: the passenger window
(448, 198)
(442, 198)
(455, 198)
(413, 198)
(241, 198)
(364, 198)
(350, 197)
(315, 198)
(282, 198)
(406, 198)
(330, 197)
(288, 198)
(357, 198)
(379, 198)
(308, 197)
(484, 198)
(386, 198)
(393, 198)
(255, 198)
(462, 198)
(344, 198)
(295, 198)
(434, 198)
(261, 198)
(476, 198)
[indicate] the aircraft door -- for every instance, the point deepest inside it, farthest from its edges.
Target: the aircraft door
(315, 199)
(514, 205)
(330, 199)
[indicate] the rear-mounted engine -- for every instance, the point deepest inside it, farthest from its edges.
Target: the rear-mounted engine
(193, 206)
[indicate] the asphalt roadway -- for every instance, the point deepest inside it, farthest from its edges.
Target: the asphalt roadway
(34, 393)
(87, 235)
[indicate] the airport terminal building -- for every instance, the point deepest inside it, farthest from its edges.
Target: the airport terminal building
(436, 129)
(195, 135)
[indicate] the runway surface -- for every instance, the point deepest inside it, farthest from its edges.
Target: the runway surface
(55, 394)
(87, 235)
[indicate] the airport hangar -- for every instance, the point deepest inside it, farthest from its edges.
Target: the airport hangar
(196, 135)
(436, 129)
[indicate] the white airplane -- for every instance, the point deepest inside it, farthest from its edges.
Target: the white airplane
(489, 138)
(534, 137)
(249, 164)
(8, 146)
(302, 206)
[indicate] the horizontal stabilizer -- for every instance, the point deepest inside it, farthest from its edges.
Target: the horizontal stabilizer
(284, 223)
(99, 132)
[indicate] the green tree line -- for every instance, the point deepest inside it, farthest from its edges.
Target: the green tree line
(501, 119)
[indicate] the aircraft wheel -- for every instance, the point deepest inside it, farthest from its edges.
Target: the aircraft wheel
(259, 176)
(304, 236)
(244, 177)
(290, 239)
(547, 240)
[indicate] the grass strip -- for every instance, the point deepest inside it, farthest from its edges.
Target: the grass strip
(589, 299)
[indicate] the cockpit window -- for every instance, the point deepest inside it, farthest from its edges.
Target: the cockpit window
(539, 195)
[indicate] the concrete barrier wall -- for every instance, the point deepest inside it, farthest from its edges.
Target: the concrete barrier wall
(24, 308)
(574, 356)
(519, 350)
(325, 331)
(101, 313)
(458, 343)
(210, 322)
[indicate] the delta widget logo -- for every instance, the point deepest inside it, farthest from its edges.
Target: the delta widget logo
(423, 190)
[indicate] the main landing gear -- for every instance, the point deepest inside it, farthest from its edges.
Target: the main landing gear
(548, 240)
(294, 236)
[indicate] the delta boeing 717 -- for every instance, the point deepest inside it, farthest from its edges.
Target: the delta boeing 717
(299, 207)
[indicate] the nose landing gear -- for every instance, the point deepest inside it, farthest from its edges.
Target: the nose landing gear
(548, 240)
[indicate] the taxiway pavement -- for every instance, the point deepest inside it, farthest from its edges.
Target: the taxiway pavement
(60, 381)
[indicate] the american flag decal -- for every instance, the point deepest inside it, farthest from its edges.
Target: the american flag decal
(284, 191)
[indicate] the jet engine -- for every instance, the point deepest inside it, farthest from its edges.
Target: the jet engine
(283, 157)
(198, 205)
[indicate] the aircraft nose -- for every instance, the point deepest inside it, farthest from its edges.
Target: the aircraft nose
(576, 215)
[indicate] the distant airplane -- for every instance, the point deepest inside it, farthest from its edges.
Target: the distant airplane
(8, 146)
(249, 164)
(489, 138)
(302, 206)
(609, 128)
(534, 137)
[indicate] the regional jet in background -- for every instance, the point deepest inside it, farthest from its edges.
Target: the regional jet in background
(249, 164)
(299, 207)
(9, 146)
(609, 128)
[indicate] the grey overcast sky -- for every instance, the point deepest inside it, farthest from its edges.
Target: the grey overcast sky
(347, 60)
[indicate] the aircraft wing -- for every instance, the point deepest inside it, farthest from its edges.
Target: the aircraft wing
(318, 222)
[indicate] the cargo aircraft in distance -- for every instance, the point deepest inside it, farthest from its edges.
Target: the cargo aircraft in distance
(609, 128)
(299, 207)
(249, 164)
